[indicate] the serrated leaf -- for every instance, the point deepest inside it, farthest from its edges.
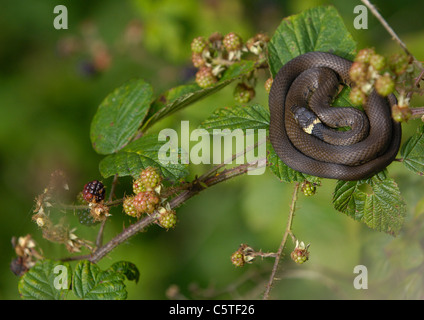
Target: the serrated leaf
(119, 116)
(283, 172)
(44, 282)
(140, 154)
(412, 152)
(238, 117)
(128, 269)
(91, 283)
(382, 208)
(315, 29)
(180, 97)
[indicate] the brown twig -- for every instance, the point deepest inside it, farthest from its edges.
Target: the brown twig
(283, 242)
(386, 26)
(174, 203)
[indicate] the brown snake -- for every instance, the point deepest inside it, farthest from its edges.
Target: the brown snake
(376, 138)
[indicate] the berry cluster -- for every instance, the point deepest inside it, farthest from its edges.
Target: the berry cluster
(300, 254)
(146, 197)
(214, 55)
(243, 255)
(373, 71)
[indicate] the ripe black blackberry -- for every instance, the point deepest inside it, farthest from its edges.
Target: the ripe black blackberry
(94, 191)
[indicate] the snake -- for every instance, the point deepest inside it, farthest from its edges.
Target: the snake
(305, 129)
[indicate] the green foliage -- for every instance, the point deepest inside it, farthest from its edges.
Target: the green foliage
(138, 155)
(182, 96)
(119, 131)
(412, 152)
(119, 116)
(382, 208)
(91, 283)
(316, 29)
(44, 282)
(39, 282)
(239, 117)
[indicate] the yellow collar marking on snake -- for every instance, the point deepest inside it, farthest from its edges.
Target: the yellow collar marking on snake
(309, 129)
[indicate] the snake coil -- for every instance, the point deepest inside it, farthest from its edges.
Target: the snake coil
(302, 140)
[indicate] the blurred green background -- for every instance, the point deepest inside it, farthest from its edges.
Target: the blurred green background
(51, 82)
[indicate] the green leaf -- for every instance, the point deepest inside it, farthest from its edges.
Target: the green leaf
(412, 152)
(316, 29)
(140, 154)
(44, 282)
(239, 117)
(180, 97)
(128, 269)
(91, 283)
(282, 171)
(377, 202)
(119, 116)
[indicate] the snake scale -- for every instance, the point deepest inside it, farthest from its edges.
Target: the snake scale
(313, 145)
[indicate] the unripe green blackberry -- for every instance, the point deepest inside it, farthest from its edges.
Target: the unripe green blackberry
(243, 93)
(232, 42)
(237, 259)
(378, 62)
(357, 96)
(148, 180)
(308, 188)
(364, 55)
(146, 202)
(128, 206)
(197, 60)
(398, 63)
(300, 254)
(167, 218)
(205, 78)
(198, 44)
(138, 186)
(94, 191)
(401, 113)
(358, 72)
(268, 84)
(384, 85)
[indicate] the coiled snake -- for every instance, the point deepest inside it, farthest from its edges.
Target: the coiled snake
(301, 140)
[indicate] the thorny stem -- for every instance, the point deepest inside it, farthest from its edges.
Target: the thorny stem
(389, 29)
(150, 219)
(395, 37)
(283, 242)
